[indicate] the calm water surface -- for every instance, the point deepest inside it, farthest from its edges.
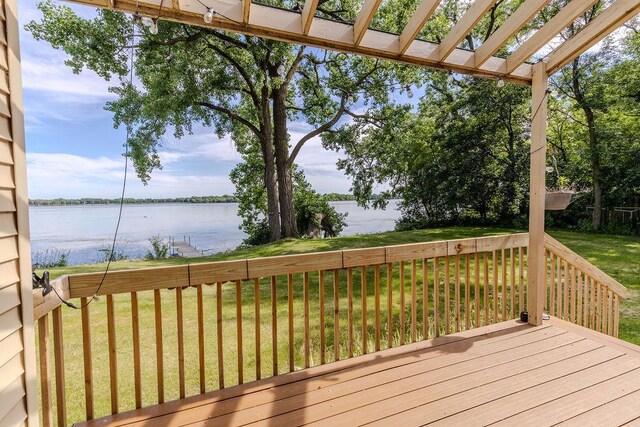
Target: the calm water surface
(82, 231)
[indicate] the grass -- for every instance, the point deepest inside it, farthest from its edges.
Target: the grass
(618, 256)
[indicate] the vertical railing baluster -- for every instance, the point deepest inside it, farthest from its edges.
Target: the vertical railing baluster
(58, 352)
(592, 305)
(201, 358)
(610, 316)
(113, 355)
(220, 349)
(376, 273)
(496, 274)
(350, 312)
(467, 292)
(585, 301)
(402, 304)
(307, 350)
(290, 314)
(336, 314)
(579, 297)
(180, 336)
(256, 299)
(559, 291)
(239, 331)
(552, 285)
(605, 308)
(436, 296)
(135, 333)
(447, 296)
(547, 281)
(414, 302)
(512, 281)
(363, 294)
(598, 307)
(503, 261)
(476, 287)
(521, 290)
(425, 299)
(565, 295)
(322, 321)
(45, 370)
(87, 358)
(616, 315)
(572, 317)
(159, 348)
(274, 323)
(485, 293)
(457, 292)
(389, 305)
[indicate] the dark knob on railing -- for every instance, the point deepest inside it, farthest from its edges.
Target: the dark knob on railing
(524, 316)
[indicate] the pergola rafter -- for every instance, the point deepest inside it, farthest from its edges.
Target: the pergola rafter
(246, 9)
(602, 25)
(308, 12)
(417, 21)
(463, 27)
(369, 9)
(510, 28)
(548, 32)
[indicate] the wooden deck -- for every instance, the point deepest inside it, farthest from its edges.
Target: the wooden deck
(509, 373)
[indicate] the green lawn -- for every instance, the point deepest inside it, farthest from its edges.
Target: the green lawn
(618, 256)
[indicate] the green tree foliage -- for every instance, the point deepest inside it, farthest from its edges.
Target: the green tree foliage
(461, 157)
(235, 84)
(595, 126)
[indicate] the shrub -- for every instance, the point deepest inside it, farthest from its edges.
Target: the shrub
(50, 258)
(105, 254)
(159, 248)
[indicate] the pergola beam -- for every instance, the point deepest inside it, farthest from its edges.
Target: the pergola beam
(425, 10)
(511, 26)
(610, 19)
(548, 32)
(463, 27)
(308, 12)
(369, 9)
(285, 25)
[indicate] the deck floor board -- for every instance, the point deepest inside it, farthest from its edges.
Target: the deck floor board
(510, 373)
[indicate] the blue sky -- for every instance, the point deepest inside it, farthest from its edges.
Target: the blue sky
(74, 151)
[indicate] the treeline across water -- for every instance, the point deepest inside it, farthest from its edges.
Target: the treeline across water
(226, 198)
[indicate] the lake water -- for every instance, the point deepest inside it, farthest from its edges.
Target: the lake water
(81, 231)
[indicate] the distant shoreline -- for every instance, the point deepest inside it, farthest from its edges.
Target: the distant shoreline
(332, 197)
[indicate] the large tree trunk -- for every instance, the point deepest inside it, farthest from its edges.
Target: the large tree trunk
(270, 177)
(593, 146)
(271, 184)
(285, 179)
(595, 168)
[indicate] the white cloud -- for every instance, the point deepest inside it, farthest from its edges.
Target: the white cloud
(70, 176)
(202, 145)
(49, 74)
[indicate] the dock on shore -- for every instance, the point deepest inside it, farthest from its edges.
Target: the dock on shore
(183, 248)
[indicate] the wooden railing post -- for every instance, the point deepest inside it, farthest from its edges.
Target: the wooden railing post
(536, 258)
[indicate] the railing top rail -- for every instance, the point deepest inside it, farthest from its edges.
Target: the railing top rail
(43, 304)
(123, 281)
(603, 278)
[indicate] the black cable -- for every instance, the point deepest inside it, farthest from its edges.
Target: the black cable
(533, 116)
(124, 187)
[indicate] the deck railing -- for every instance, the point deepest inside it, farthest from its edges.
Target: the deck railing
(166, 333)
(579, 292)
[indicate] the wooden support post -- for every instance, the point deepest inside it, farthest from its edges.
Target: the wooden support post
(536, 259)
